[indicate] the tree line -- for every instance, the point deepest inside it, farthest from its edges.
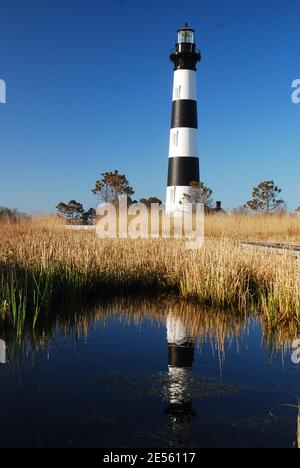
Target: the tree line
(265, 198)
(108, 189)
(113, 185)
(11, 215)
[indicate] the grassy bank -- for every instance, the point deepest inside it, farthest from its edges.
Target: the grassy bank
(222, 328)
(42, 265)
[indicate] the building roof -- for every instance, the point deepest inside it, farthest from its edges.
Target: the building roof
(186, 28)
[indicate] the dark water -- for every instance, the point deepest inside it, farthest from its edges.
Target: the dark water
(148, 375)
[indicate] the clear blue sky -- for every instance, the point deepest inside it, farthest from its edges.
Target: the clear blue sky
(89, 90)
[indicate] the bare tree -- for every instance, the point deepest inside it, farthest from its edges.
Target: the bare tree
(266, 197)
(71, 211)
(200, 194)
(111, 187)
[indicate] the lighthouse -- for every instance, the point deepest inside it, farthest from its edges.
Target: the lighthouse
(183, 148)
(180, 382)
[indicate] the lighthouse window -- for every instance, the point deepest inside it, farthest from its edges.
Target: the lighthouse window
(172, 195)
(175, 138)
(177, 92)
(185, 37)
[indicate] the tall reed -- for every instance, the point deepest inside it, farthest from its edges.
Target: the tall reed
(43, 265)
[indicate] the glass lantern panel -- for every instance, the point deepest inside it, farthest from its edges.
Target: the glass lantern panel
(185, 36)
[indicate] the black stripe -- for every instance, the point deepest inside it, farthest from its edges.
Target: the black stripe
(184, 114)
(182, 171)
(181, 356)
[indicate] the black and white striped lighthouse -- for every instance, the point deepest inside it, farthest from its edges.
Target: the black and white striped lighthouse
(180, 410)
(183, 152)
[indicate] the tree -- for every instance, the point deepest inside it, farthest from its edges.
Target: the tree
(72, 211)
(148, 201)
(89, 217)
(200, 194)
(111, 187)
(266, 197)
(11, 215)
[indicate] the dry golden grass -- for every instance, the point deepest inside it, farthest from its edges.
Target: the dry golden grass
(275, 228)
(40, 261)
(284, 229)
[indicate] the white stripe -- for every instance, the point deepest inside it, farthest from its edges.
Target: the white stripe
(183, 142)
(175, 198)
(2, 352)
(184, 86)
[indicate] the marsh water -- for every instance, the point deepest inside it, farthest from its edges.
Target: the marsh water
(138, 373)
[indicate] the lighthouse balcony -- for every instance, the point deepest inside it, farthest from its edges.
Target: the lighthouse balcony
(185, 57)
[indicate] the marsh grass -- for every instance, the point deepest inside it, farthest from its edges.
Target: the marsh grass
(281, 228)
(222, 329)
(43, 265)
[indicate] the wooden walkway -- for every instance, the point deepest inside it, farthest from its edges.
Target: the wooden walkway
(266, 246)
(273, 247)
(79, 228)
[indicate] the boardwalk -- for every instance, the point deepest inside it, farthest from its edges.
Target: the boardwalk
(265, 246)
(273, 247)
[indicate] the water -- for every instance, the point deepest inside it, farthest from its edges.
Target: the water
(148, 374)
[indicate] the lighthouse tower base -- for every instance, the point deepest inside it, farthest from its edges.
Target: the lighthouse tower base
(177, 199)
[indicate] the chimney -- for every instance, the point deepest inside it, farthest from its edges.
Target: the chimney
(218, 206)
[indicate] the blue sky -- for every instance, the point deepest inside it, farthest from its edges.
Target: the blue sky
(89, 90)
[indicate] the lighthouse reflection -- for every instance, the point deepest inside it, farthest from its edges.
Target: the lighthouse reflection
(180, 361)
(2, 352)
